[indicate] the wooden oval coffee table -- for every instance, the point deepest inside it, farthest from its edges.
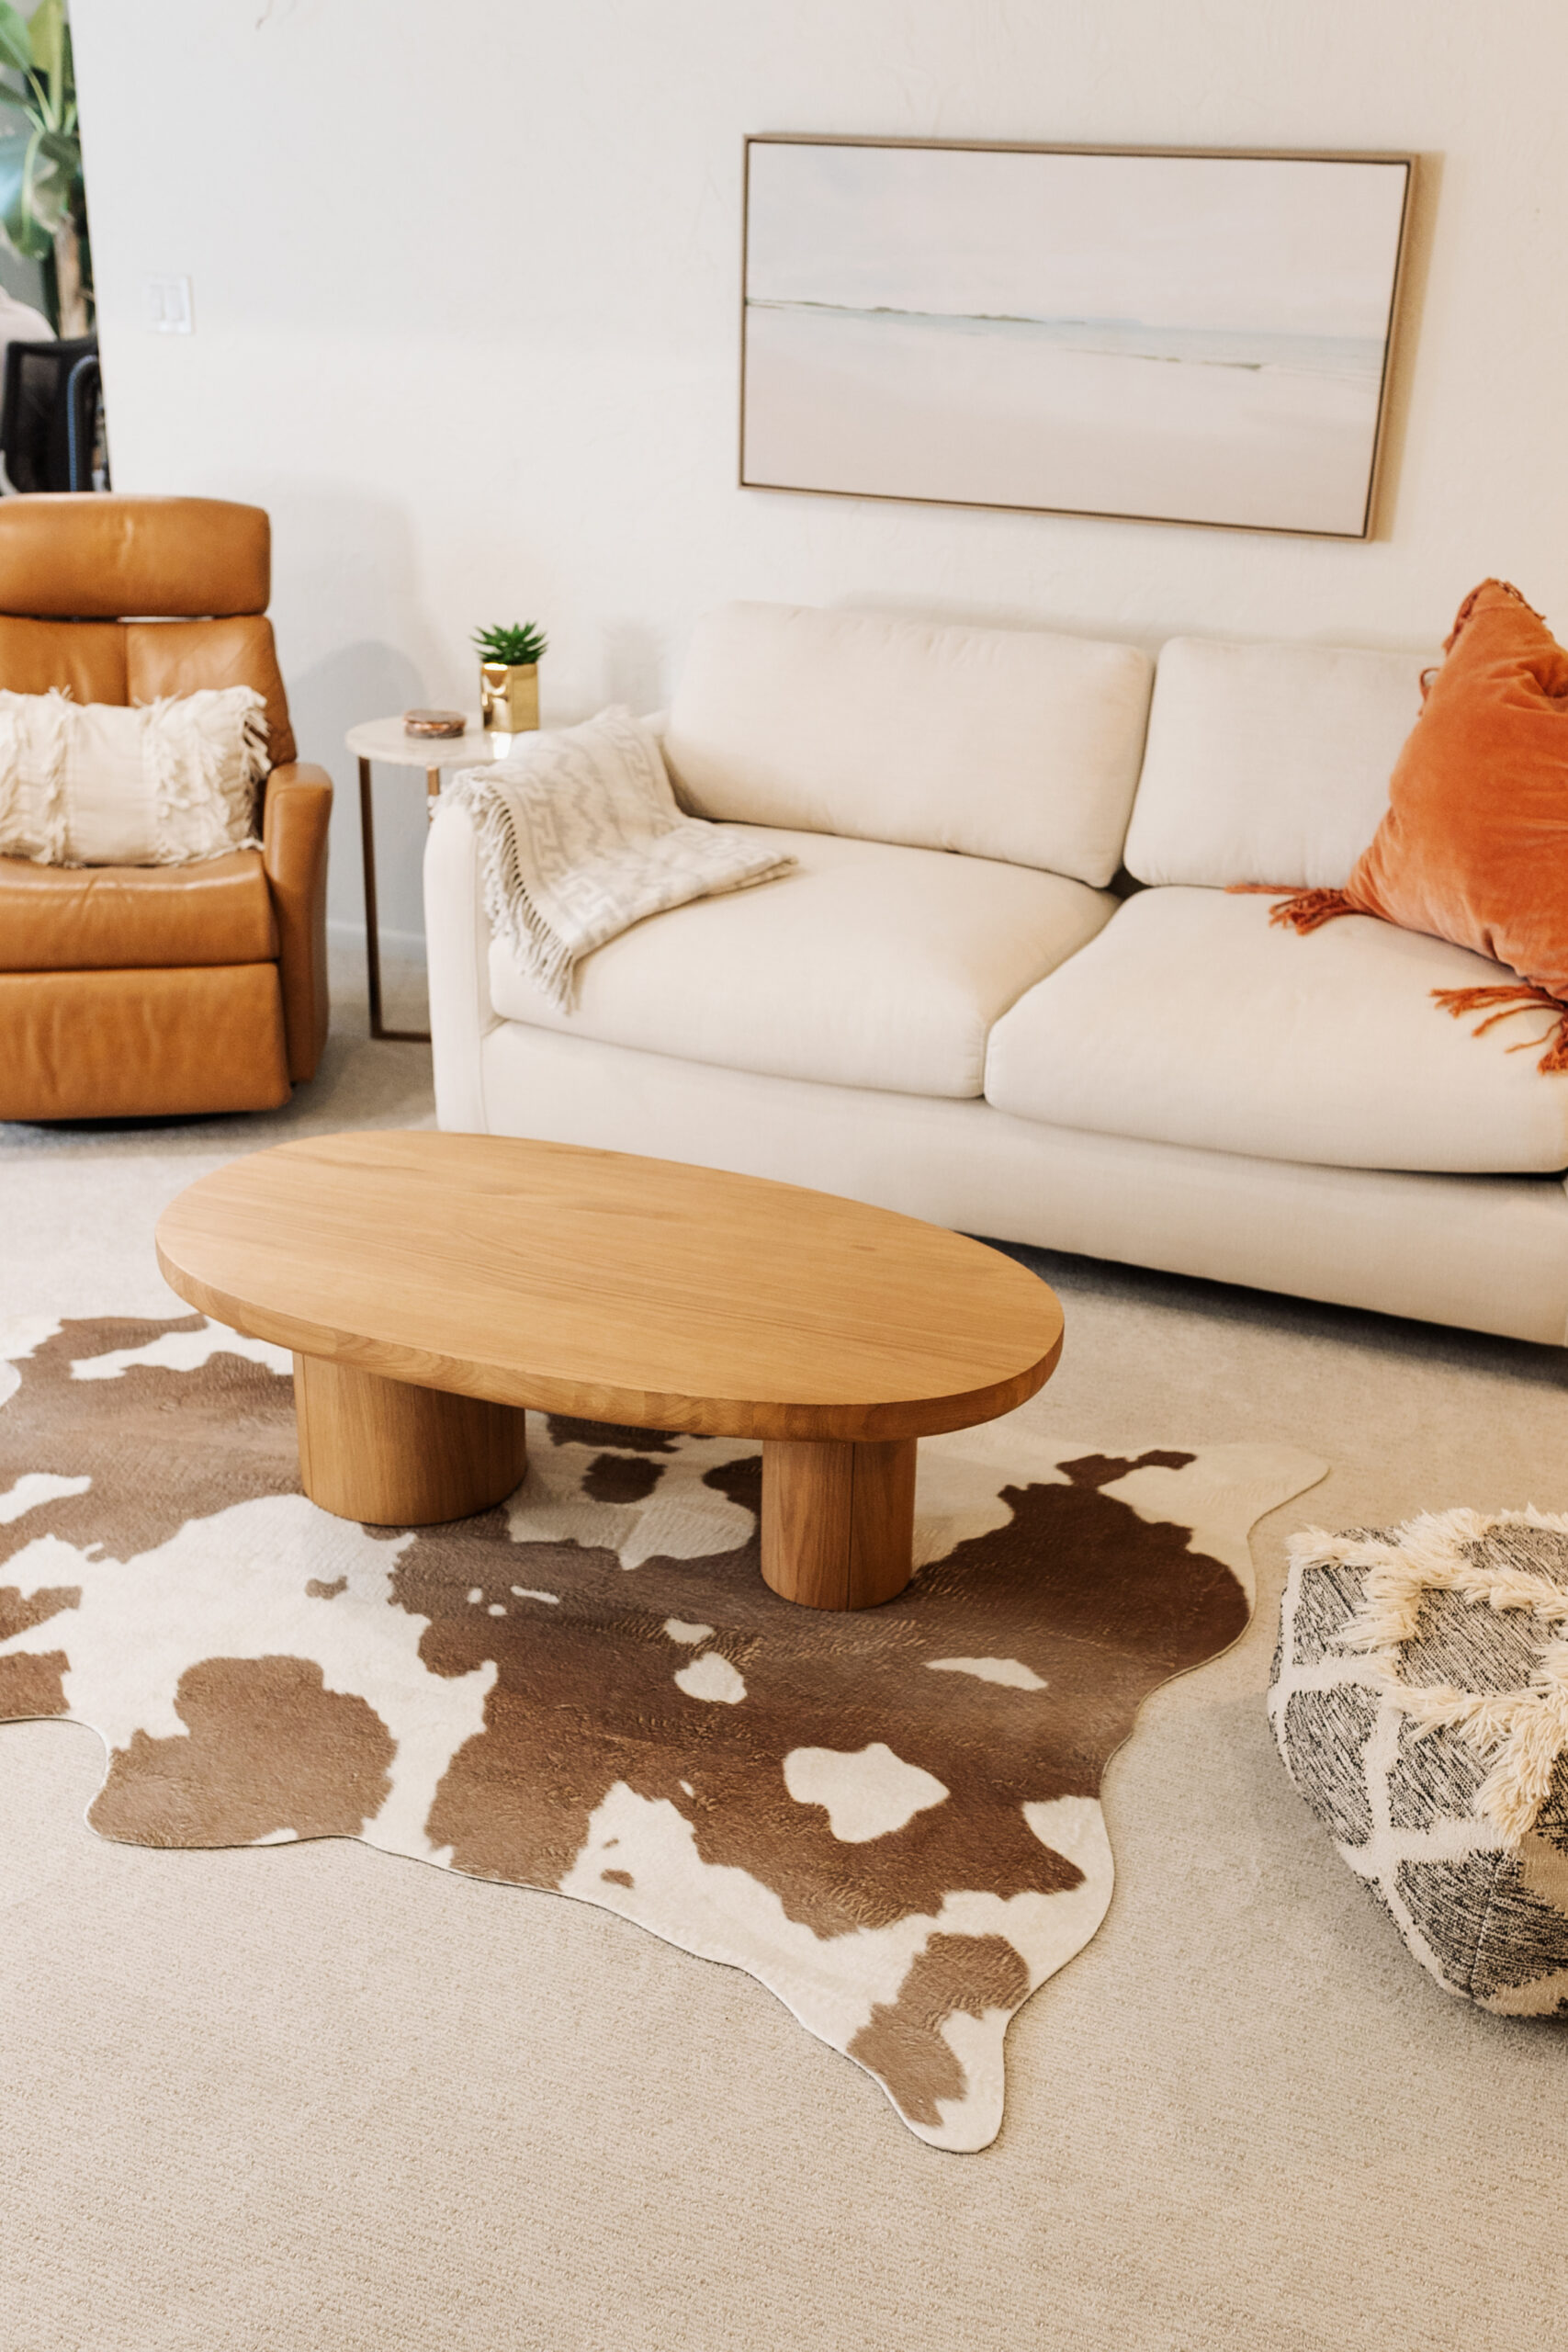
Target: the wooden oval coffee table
(431, 1286)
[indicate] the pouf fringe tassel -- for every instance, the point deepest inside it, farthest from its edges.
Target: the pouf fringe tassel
(1521, 1731)
(1520, 1734)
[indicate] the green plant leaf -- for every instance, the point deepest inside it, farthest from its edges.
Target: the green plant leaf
(24, 233)
(15, 48)
(46, 192)
(26, 203)
(25, 236)
(45, 38)
(518, 646)
(48, 187)
(40, 177)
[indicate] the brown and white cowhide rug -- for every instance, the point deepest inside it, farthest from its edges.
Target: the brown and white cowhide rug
(891, 1819)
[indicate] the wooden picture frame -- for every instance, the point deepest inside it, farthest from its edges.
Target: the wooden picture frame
(1189, 335)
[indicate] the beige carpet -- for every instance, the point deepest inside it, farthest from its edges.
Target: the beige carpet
(305, 2099)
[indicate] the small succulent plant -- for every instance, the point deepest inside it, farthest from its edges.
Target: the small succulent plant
(518, 646)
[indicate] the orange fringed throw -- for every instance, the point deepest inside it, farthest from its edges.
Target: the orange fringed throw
(1474, 845)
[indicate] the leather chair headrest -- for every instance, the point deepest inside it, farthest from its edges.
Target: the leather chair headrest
(89, 555)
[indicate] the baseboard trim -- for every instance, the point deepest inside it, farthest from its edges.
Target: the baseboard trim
(407, 945)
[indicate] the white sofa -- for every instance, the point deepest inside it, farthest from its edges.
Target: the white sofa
(946, 1008)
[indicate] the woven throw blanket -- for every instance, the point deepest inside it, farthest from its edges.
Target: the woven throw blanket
(580, 837)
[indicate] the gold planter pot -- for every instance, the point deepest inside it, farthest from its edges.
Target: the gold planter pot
(509, 697)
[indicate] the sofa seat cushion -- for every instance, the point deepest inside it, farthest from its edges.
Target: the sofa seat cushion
(870, 964)
(1190, 1019)
(999, 742)
(127, 918)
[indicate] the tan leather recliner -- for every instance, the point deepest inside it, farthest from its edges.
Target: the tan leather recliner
(129, 991)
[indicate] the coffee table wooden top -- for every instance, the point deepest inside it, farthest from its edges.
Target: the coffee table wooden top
(612, 1288)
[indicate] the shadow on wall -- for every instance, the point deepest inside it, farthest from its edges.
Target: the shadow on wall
(341, 564)
(357, 682)
(354, 562)
(634, 666)
(372, 679)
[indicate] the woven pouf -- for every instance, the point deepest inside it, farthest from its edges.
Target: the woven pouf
(1419, 1698)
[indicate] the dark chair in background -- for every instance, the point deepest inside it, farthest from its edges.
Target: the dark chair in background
(50, 414)
(88, 456)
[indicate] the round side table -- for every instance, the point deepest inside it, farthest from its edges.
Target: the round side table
(386, 741)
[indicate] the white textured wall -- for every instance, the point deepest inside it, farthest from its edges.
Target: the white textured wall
(466, 290)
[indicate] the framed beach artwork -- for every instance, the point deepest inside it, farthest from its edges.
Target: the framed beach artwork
(1170, 336)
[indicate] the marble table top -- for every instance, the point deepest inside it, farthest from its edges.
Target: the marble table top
(384, 740)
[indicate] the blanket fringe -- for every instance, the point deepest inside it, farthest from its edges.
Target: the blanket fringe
(1523, 997)
(510, 905)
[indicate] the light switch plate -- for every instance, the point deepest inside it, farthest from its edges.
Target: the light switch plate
(168, 305)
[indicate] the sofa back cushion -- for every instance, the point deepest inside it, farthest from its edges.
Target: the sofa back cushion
(1268, 763)
(1002, 744)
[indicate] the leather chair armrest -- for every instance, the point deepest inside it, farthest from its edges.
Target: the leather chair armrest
(294, 851)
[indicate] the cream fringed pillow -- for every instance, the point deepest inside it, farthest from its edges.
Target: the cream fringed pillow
(157, 784)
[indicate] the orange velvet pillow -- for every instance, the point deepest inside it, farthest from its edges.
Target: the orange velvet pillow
(1474, 845)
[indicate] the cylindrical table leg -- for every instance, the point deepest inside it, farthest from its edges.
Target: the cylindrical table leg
(399, 1456)
(838, 1520)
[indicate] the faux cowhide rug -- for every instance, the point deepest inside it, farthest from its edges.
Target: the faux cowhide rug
(891, 1819)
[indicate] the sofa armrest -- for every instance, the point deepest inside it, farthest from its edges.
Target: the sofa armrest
(294, 851)
(457, 939)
